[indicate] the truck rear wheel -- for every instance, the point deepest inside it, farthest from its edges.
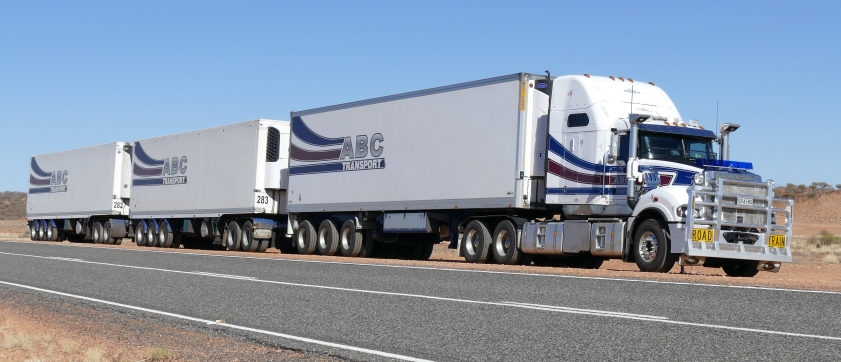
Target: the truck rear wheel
(305, 238)
(233, 236)
(350, 240)
(740, 268)
(651, 248)
(366, 249)
(328, 238)
(504, 247)
(41, 230)
(33, 231)
(247, 237)
(476, 242)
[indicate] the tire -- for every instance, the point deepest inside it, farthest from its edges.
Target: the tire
(384, 250)
(305, 238)
(350, 240)
(264, 245)
(367, 244)
(247, 238)
(476, 242)
(105, 234)
(740, 268)
(97, 233)
(165, 235)
(328, 238)
(152, 233)
(504, 246)
(651, 248)
(42, 230)
(140, 233)
(426, 251)
(233, 236)
(33, 231)
(410, 252)
(52, 232)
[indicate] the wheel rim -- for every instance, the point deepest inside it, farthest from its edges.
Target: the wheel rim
(648, 247)
(50, 233)
(322, 238)
(346, 239)
(229, 240)
(302, 238)
(150, 234)
(245, 240)
(503, 242)
(96, 230)
(472, 243)
(33, 233)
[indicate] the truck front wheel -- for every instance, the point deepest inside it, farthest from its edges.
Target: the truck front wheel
(651, 248)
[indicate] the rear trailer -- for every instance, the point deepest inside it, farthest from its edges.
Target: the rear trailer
(81, 194)
(400, 169)
(222, 186)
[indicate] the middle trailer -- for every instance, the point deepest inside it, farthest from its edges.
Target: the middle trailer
(406, 169)
(222, 187)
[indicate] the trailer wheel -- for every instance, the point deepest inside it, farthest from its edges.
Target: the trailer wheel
(476, 242)
(140, 233)
(105, 234)
(264, 244)
(410, 252)
(33, 231)
(366, 249)
(740, 268)
(305, 238)
(52, 232)
(233, 236)
(651, 248)
(97, 233)
(152, 233)
(165, 234)
(247, 237)
(350, 240)
(328, 238)
(426, 251)
(41, 230)
(504, 248)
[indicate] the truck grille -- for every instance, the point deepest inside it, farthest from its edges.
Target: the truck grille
(273, 145)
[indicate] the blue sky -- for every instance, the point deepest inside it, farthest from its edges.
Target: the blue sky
(75, 74)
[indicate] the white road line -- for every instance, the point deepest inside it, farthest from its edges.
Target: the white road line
(554, 308)
(445, 269)
(568, 310)
(232, 326)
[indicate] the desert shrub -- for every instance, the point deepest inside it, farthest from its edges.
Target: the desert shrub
(801, 192)
(825, 239)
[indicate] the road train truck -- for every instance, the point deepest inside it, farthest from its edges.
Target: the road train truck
(81, 194)
(520, 167)
(223, 186)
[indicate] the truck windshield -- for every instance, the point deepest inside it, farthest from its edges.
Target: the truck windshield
(675, 148)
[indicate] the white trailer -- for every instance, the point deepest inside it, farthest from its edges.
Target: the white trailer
(224, 185)
(81, 194)
(498, 159)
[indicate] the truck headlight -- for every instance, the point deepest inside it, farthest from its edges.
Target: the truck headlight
(698, 179)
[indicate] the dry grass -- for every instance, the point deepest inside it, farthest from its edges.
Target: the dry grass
(94, 355)
(824, 248)
(158, 354)
(69, 346)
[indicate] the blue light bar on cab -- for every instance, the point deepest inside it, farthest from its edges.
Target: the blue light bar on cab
(705, 162)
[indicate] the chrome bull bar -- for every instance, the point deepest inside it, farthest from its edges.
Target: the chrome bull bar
(714, 213)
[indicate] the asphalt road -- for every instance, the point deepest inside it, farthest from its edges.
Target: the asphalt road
(379, 312)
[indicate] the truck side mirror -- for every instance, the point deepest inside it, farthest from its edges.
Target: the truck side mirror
(613, 153)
